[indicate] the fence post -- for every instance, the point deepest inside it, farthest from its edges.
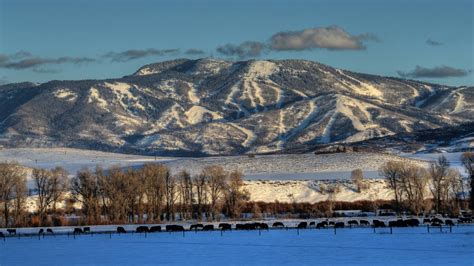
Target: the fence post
(374, 229)
(450, 229)
(428, 226)
(335, 229)
(297, 231)
(391, 230)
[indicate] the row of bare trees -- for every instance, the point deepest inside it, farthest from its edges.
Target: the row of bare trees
(152, 193)
(412, 185)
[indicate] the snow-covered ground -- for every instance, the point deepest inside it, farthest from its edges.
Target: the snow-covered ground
(261, 167)
(406, 246)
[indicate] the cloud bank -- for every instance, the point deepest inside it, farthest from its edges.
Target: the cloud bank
(331, 38)
(435, 72)
(133, 54)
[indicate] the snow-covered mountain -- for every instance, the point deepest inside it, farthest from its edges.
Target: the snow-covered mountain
(210, 106)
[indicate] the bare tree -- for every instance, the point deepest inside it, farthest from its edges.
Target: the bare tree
(235, 195)
(113, 186)
(85, 189)
(12, 188)
(50, 186)
(154, 176)
(171, 196)
(357, 177)
(392, 172)
(413, 181)
(438, 173)
(216, 177)
(200, 184)
(467, 160)
(185, 185)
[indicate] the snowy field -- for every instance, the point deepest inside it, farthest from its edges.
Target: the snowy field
(406, 246)
(265, 167)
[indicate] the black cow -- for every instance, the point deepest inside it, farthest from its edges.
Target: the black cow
(121, 230)
(174, 228)
(225, 226)
(331, 223)
(143, 229)
(240, 227)
(321, 225)
(49, 230)
(278, 224)
(78, 231)
(339, 225)
(378, 223)
(11, 231)
(436, 222)
(412, 222)
(196, 226)
(426, 221)
(364, 222)
(208, 227)
(155, 229)
(41, 231)
(302, 225)
(353, 223)
(263, 226)
(87, 229)
(449, 222)
(312, 224)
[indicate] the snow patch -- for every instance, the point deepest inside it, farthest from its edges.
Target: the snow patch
(196, 114)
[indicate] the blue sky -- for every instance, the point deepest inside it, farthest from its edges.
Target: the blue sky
(426, 40)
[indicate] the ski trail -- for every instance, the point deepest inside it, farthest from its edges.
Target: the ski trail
(313, 111)
(251, 137)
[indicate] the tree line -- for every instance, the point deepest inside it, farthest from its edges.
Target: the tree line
(153, 193)
(438, 188)
(145, 195)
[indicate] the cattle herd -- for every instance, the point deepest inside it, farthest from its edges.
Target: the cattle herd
(413, 222)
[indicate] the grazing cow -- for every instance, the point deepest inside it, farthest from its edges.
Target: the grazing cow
(78, 231)
(302, 225)
(225, 226)
(155, 229)
(196, 226)
(2, 235)
(465, 220)
(412, 222)
(121, 230)
(11, 231)
(240, 227)
(426, 221)
(339, 225)
(208, 227)
(449, 222)
(49, 230)
(331, 223)
(436, 222)
(364, 222)
(312, 224)
(278, 224)
(263, 226)
(321, 225)
(87, 229)
(143, 229)
(378, 223)
(353, 223)
(174, 228)
(41, 231)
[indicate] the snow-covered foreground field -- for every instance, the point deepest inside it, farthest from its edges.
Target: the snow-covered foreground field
(406, 246)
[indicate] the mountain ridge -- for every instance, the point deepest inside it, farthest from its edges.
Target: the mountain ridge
(217, 107)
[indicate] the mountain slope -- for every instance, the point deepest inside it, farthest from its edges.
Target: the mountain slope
(209, 106)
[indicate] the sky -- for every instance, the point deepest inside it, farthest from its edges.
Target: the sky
(68, 40)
